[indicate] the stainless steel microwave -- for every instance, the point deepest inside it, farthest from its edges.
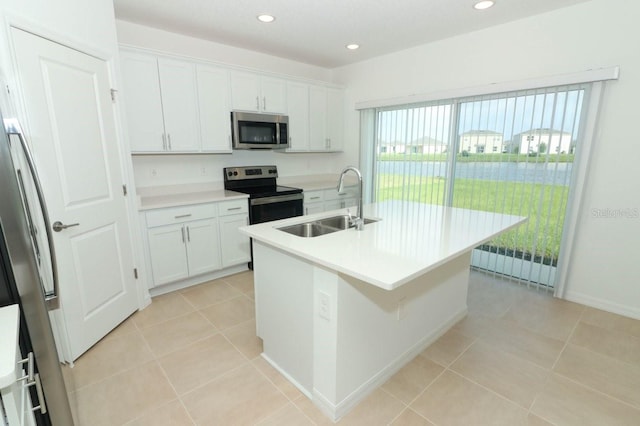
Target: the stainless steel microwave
(259, 131)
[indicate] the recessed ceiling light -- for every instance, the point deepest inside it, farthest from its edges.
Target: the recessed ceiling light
(484, 4)
(266, 18)
(352, 46)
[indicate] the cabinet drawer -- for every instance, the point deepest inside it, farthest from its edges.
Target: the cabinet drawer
(313, 196)
(181, 214)
(332, 194)
(233, 207)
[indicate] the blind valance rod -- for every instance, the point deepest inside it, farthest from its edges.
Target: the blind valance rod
(588, 76)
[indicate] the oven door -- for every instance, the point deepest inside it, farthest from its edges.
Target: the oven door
(266, 209)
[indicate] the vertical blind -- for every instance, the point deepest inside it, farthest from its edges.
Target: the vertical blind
(508, 153)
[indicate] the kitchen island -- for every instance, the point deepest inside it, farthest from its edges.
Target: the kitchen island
(341, 313)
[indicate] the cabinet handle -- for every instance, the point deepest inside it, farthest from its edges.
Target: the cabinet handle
(169, 140)
(182, 215)
(182, 231)
(258, 103)
(164, 141)
(189, 233)
(306, 210)
(313, 198)
(264, 103)
(234, 208)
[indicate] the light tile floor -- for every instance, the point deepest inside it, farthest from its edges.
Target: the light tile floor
(519, 357)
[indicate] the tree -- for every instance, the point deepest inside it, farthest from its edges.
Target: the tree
(542, 148)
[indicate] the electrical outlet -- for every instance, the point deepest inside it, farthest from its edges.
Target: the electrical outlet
(154, 172)
(203, 171)
(324, 310)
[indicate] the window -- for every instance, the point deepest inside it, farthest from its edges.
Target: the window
(530, 179)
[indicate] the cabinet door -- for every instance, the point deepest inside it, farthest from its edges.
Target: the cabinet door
(213, 101)
(245, 94)
(298, 102)
(274, 95)
(311, 208)
(141, 94)
(335, 119)
(317, 118)
(168, 253)
(179, 104)
(203, 249)
(234, 246)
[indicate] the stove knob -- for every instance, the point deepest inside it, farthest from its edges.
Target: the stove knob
(230, 173)
(235, 173)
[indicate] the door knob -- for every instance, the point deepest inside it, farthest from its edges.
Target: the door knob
(59, 226)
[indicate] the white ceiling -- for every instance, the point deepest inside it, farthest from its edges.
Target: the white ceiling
(316, 31)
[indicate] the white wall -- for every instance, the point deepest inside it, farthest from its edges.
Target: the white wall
(167, 170)
(604, 266)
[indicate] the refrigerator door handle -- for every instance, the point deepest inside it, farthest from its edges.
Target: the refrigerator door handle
(51, 297)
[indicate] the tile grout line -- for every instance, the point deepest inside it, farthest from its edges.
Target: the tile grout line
(446, 368)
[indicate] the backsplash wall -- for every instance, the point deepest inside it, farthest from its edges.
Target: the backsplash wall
(160, 170)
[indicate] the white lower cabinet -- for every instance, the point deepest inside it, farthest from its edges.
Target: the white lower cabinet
(187, 241)
(234, 246)
(184, 250)
(319, 201)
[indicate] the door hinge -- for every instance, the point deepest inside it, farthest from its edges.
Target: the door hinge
(124, 190)
(113, 95)
(135, 273)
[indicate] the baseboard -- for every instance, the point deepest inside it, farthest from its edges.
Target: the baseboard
(605, 305)
(287, 376)
(199, 279)
(336, 412)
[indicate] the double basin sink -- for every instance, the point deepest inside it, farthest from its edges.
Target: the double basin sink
(322, 226)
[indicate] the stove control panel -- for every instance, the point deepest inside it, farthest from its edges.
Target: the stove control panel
(250, 172)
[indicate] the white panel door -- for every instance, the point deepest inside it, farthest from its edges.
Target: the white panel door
(213, 100)
(179, 104)
(72, 131)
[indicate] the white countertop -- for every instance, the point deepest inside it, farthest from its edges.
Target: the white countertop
(184, 195)
(158, 197)
(409, 240)
(9, 323)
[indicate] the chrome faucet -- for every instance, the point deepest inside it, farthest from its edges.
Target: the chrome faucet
(359, 220)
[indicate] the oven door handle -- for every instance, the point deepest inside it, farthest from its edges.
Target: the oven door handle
(276, 199)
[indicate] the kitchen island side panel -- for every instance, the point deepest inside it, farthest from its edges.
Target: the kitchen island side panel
(380, 331)
(284, 312)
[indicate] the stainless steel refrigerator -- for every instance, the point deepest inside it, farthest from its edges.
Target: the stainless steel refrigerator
(21, 279)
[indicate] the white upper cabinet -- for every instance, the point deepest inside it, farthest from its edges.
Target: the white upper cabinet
(298, 102)
(335, 119)
(179, 104)
(161, 103)
(318, 139)
(256, 93)
(214, 106)
(141, 86)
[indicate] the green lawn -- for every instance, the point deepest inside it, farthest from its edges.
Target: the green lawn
(532, 200)
(481, 158)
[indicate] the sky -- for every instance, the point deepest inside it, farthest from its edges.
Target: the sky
(507, 115)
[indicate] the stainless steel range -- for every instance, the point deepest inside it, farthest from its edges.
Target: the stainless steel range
(267, 200)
